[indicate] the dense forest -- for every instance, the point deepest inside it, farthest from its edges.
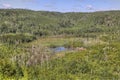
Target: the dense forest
(28, 40)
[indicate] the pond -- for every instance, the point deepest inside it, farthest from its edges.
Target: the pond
(59, 49)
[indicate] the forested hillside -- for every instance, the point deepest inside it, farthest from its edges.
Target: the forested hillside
(40, 23)
(43, 45)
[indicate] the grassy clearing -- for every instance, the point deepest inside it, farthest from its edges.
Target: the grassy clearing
(66, 42)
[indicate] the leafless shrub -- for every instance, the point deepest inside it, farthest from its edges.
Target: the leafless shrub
(38, 55)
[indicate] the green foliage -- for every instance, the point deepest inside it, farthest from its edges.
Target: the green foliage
(16, 38)
(41, 23)
(98, 32)
(9, 69)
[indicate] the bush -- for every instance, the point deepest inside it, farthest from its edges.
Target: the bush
(16, 38)
(10, 70)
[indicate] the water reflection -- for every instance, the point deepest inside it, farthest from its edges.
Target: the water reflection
(59, 49)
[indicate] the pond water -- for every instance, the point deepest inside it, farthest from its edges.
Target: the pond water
(59, 49)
